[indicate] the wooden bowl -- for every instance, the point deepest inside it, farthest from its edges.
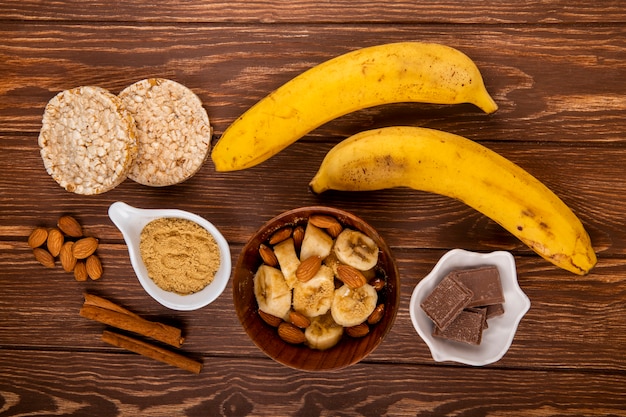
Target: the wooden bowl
(349, 350)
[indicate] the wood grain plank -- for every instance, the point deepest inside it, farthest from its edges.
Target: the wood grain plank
(113, 384)
(552, 84)
(306, 11)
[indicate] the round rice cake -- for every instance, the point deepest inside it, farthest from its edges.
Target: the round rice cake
(173, 131)
(87, 140)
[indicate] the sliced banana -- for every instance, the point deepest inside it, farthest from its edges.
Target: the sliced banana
(288, 261)
(353, 306)
(315, 242)
(323, 333)
(356, 249)
(272, 293)
(315, 296)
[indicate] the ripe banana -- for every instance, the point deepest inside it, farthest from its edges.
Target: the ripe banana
(377, 75)
(288, 261)
(271, 291)
(447, 164)
(315, 296)
(316, 242)
(353, 306)
(323, 333)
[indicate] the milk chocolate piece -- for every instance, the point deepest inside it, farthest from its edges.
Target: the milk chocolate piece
(494, 310)
(446, 301)
(467, 327)
(484, 282)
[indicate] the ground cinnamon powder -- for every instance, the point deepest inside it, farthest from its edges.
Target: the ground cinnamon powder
(180, 255)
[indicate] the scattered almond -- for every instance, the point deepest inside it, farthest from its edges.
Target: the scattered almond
(93, 267)
(268, 255)
(280, 235)
(70, 226)
(37, 237)
(308, 268)
(44, 257)
(290, 333)
(359, 330)
(377, 314)
(299, 319)
(335, 230)
(80, 271)
(323, 221)
(84, 247)
(270, 318)
(55, 241)
(68, 261)
(351, 276)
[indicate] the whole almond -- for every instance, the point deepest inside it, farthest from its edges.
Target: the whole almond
(335, 230)
(377, 314)
(359, 330)
(70, 226)
(68, 261)
(351, 276)
(84, 247)
(37, 237)
(80, 271)
(298, 237)
(270, 319)
(280, 235)
(308, 268)
(268, 255)
(290, 333)
(323, 221)
(93, 267)
(55, 241)
(44, 257)
(299, 319)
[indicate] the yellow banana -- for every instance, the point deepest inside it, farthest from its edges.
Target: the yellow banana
(383, 74)
(450, 165)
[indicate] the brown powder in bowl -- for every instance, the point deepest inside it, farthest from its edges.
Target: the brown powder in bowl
(180, 255)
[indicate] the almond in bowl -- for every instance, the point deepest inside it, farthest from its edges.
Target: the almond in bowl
(297, 308)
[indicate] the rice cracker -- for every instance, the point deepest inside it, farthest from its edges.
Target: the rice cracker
(173, 131)
(87, 140)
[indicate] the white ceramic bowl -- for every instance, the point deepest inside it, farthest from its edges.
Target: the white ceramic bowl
(131, 221)
(497, 338)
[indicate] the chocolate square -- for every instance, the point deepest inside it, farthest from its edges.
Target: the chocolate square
(446, 301)
(484, 282)
(466, 328)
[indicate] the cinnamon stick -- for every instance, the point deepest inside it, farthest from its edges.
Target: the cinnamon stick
(151, 351)
(133, 323)
(94, 300)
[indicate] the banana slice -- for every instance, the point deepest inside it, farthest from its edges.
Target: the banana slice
(315, 296)
(351, 307)
(288, 261)
(315, 242)
(323, 333)
(356, 249)
(272, 292)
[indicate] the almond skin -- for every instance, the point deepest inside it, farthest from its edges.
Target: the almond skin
(55, 241)
(351, 276)
(299, 319)
(290, 333)
(37, 237)
(323, 221)
(359, 330)
(44, 257)
(70, 226)
(308, 268)
(280, 235)
(80, 271)
(335, 230)
(298, 236)
(268, 255)
(377, 314)
(68, 261)
(270, 318)
(93, 267)
(84, 247)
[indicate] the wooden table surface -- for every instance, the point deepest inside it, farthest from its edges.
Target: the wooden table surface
(557, 71)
